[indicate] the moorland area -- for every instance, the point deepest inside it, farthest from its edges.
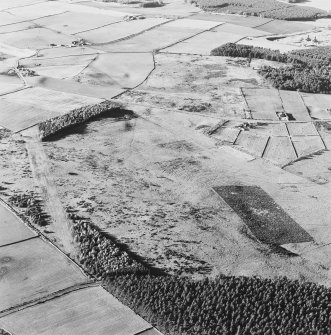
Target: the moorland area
(165, 167)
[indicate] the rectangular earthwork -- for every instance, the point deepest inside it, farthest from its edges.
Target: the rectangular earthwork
(264, 217)
(263, 103)
(251, 142)
(84, 312)
(11, 228)
(270, 129)
(293, 104)
(302, 129)
(306, 145)
(280, 151)
(33, 269)
(226, 134)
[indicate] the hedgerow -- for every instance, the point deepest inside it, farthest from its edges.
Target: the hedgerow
(308, 70)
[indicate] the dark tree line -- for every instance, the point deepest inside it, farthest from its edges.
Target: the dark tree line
(227, 306)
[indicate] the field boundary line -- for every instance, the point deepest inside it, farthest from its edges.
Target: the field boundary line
(48, 297)
(290, 138)
(16, 90)
(192, 36)
(105, 25)
(20, 241)
(19, 218)
(266, 146)
(30, 4)
(133, 35)
(146, 78)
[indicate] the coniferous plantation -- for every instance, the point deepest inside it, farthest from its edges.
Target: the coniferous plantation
(212, 306)
(306, 70)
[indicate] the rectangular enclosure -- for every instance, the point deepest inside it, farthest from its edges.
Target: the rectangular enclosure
(263, 216)
(263, 103)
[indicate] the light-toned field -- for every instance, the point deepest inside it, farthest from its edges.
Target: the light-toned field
(17, 27)
(302, 129)
(49, 100)
(6, 4)
(74, 22)
(284, 27)
(73, 87)
(36, 38)
(280, 151)
(245, 21)
(319, 105)
(61, 67)
(123, 69)
(260, 107)
(25, 108)
(11, 228)
(35, 269)
(227, 135)
(8, 19)
(158, 38)
(252, 143)
(322, 4)
(86, 311)
(120, 30)
(293, 103)
(207, 41)
(36, 9)
(307, 145)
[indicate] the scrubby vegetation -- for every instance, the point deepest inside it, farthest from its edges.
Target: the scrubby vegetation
(229, 306)
(265, 8)
(224, 305)
(32, 206)
(3, 332)
(99, 255)
(308, 70)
